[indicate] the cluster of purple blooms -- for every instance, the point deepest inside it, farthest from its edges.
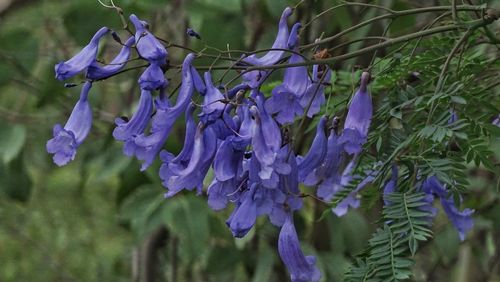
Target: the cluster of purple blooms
(239, 136)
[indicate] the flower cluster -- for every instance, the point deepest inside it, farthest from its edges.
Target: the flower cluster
(239, 133)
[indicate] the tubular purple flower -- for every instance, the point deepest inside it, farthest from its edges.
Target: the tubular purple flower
(221, 192)
(176, 179)
(96, 71)
(255, 78)
(165, 117)
(390, 186)
(461, 220)
(126, 131)
(227, 160)
(152, 78)
(146, 43)
(301, 268)
(82, 60)
(199, 85)
(67, 139)
(496, 121)
(358, 118)
(314, 96)
(328, 175)
(316, 153)
(212, 106)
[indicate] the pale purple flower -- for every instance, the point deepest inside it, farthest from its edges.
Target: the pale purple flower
(301, 268)
(83, 59)
(358, 118)
(213, 106)
(67, 139)
(97, 71)
(314, 96)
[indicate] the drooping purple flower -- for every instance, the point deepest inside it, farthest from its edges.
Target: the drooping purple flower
(285, 98)
(212, 104)
(82, 60)
(221, 192)
(127, 130)
(192, 33)
(496, 121)
(177, 178)
(316, 153)
(352, 201)
(358, 118)
(146, 43)
(97, 71)
(390, 186)
(314, 96)
(227, 160)
(453, 116)
(152, 78)
(255, 78)
(199, 85)
(301, 268)
(67, 139)
(244, 215)
(461, 220)
(165, 117)
(328, 174)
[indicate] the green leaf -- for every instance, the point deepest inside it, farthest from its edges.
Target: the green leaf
(12, 138)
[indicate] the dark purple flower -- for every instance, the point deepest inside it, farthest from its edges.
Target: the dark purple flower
(127, 130)
(152, 78)
(301, 268)
(496, 121)
(358, 118)
(314, 96)
(192, 33)
(316, 153)
(96, 71)
(82, 60)
(146, 43)
(165, 117)
(390, 186)
(67, 139)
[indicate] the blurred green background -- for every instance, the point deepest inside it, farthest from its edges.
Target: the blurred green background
(100, 219)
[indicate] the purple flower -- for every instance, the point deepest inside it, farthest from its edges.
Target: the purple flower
(176, 178)
(328, 174)
(67, 139)
(221, 192)
(461, 220)
(496, 121)
(316, 153)
(244, 215)
(127, 130)
(390, 186)
(301, 268)
(96, 71)
(146, 43)
(314, 95)
(227, 161)
(453, 116)
(82, 60)
(358, 118)
(255, 78)
(165, 117)
(285, 99)
(152, 78)
(199, 85)
(212, 106)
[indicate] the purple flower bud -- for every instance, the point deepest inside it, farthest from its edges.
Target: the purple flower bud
(293, 39)
(82, 60)
(212, 106)
(199, 85)
(152, 78)
(126, 131)
(461, 220)
(453, 116)
(316, 153)
(358, 118)
(328, 175)
(301, 268)
(146, 43)
(67, 139)
(192, 33)
(227, 161)
(95, 71)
